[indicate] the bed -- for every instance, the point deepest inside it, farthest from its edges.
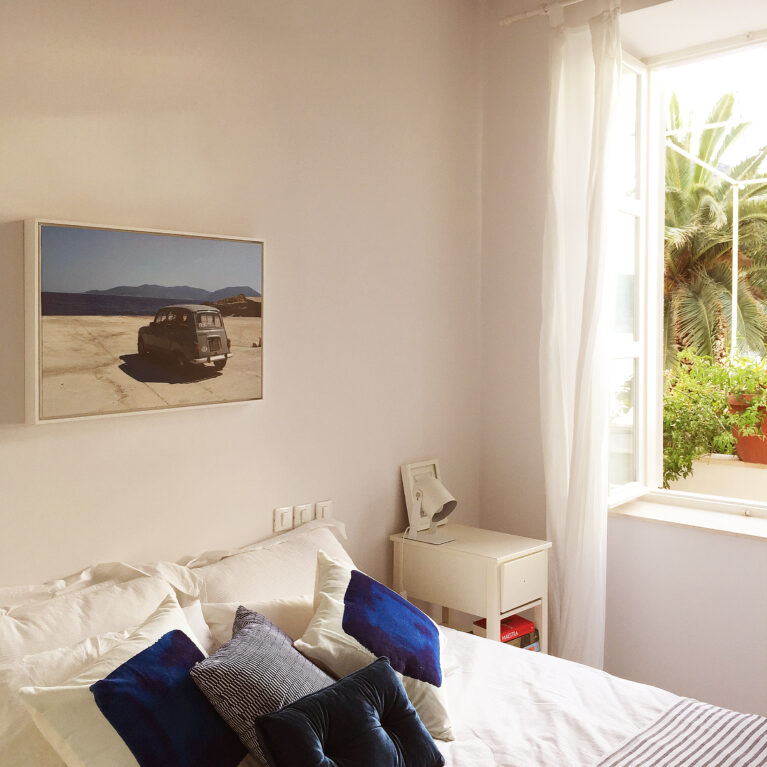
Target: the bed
(508, 707)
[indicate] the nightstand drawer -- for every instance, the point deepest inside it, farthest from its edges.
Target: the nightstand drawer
(523, 580)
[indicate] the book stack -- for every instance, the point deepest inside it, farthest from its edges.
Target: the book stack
(515, 630)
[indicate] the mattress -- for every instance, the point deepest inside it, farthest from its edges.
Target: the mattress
(513, 708)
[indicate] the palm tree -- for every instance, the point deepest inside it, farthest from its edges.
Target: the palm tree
(698, 243)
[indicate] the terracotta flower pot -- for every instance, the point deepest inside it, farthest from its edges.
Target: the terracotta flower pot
(749, 449)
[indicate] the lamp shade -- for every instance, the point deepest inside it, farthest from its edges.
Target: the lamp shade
(436, 501)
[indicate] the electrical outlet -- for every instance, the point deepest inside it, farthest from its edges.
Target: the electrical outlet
(283, 519)
(303, 513)
(324, 509)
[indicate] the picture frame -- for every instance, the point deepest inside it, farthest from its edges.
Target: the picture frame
(123, 320)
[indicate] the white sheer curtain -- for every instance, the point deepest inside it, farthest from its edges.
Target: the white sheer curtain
(585, 72)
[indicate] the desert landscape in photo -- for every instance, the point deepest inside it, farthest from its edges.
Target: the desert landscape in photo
(91, 364)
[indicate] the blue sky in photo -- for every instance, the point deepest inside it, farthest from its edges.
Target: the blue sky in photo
(76, 259)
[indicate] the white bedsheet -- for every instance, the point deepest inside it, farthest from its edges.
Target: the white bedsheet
(514, 708)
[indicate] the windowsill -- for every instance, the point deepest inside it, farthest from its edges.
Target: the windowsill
(728, 523)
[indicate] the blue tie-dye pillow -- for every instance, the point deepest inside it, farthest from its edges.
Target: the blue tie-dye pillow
(156, 708)
(358, 620)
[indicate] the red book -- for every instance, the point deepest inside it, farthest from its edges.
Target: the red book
(512, 627)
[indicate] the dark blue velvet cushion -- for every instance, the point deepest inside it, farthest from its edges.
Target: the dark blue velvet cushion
(158, 711)
(363, 720)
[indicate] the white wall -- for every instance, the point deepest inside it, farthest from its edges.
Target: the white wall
(346, 135)
(516, 88)
(686, 611)
(688, 584)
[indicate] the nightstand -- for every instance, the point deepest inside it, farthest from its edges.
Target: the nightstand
(481, 572)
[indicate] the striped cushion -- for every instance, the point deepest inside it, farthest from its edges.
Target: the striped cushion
(256, 672)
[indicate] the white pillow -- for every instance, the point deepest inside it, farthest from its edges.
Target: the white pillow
(21, 743)
(277, 568)
(67, 714)
(184, 581)
(70, 618)
(359, 619)
(291, 614)
(202, 633)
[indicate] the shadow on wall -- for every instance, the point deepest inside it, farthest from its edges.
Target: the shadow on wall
(12, 312)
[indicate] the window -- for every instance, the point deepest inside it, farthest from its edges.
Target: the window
(626, 243)
(209, 320)
(636, 283)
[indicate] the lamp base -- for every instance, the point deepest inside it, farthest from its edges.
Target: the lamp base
(435, 537)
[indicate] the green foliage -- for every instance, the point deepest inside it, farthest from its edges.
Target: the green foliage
(697, 416)
(698, 243)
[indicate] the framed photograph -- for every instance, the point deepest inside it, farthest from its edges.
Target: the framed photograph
(124, 320)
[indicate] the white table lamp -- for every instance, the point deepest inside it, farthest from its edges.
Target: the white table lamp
(428, 501)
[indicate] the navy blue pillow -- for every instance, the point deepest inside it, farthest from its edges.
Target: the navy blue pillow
(156, 708)
(363, 720)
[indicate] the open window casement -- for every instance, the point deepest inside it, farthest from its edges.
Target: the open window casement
(633, 286)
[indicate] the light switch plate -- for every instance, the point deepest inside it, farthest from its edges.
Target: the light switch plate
(283, 519)
(324, 509)
(303, 513)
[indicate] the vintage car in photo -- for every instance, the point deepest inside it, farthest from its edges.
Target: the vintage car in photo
(186, 334)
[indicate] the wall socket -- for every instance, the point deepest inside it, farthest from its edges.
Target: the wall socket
(303, 513)
(324, 509)
(283, 519)
(288, 517)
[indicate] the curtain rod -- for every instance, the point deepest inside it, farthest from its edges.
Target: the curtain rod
(543, 10)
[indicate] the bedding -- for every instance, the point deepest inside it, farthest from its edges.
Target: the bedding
(515, 708)
(695, 734)
(509, 707)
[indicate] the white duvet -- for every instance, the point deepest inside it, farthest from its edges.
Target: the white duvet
(513, 708)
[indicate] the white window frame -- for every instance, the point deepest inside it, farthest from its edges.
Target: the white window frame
(651, 154)
(638, 350)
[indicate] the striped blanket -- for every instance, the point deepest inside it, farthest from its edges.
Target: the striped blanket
(694, 734)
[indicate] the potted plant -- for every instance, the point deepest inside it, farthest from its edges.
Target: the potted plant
(748, 404)
(711, 408)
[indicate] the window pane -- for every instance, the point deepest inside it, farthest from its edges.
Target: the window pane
(209, 320)
(625, 146)
(623, 245)
(622, 441)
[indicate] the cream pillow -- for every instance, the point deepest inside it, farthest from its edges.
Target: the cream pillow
(67, 715)
(277, 568)
(184, 581)
(202, 633)
(21, 743)
(70, 618)
(291, 614)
